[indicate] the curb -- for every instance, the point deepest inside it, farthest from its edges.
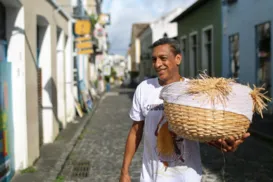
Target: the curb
(261, 135)
(70, 146)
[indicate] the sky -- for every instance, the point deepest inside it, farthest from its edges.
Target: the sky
(126, 12)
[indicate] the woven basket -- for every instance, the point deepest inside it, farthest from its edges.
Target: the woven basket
(204, 125)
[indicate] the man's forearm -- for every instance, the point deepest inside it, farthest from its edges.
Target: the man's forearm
(132, 143)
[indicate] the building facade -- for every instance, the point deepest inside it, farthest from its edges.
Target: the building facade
(135, 49)
(36, 75)
(200, 34)
(146, 41)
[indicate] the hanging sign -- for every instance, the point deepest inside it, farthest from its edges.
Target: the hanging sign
(82, 27)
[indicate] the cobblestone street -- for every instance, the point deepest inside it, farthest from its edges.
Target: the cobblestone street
(98, 154)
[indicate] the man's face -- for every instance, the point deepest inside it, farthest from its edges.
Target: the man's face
(165, 62)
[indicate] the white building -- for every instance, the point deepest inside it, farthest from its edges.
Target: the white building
(163, 26)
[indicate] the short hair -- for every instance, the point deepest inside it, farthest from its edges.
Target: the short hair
(174, 44)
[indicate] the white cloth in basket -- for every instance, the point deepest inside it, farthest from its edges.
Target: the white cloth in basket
(239, 100)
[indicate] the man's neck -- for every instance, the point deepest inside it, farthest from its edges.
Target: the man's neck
(174, 79)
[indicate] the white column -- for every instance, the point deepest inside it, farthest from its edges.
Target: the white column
(93, 72)
(16, 55)
(61, 72)
(70, 111)
(46, 65)
(86, 72)
(81, 66)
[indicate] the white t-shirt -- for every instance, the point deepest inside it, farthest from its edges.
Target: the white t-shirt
(148, 106)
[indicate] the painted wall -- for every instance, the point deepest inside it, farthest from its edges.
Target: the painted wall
(242, 17)
(6, 119)
(208, 14)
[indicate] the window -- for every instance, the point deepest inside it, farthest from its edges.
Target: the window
(263, 47)
(193, 54)
(2, 22)
(185, 64)
(234, 55)
(207, 50)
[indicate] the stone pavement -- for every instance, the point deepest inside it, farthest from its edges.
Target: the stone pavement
(102, 143)
(53, 155)
(98, 154)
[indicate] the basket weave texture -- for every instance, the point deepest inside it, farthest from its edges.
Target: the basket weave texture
(204, 125)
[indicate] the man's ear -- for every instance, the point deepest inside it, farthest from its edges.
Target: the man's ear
(178, 59)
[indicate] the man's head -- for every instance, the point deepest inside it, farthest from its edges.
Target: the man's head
(166, 58)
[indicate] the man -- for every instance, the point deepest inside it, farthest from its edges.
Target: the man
(147, 111)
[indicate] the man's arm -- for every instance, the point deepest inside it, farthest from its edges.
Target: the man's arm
(132, 143)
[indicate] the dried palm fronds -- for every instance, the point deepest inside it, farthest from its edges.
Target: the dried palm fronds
(258, 99)
(215, 89)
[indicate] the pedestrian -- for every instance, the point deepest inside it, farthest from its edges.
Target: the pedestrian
(146, 112)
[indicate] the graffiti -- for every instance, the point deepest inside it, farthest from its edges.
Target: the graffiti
(6, 161)
(4, 152)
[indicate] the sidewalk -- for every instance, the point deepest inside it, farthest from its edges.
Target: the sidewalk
(262, 127)
(53, 156)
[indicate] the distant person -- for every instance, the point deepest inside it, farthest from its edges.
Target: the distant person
(101, 86)
(147, 111)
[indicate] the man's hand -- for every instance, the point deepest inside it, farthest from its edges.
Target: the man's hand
(124, 177)
(230, 144)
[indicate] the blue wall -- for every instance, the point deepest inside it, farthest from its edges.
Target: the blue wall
(242, 17)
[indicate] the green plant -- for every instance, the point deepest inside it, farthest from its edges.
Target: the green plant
(30, 169)
(82, 135)
(107, 79)
(93, 20)
(113, 73)
(59, 179)
(96, 83)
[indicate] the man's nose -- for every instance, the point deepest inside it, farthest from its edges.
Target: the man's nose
(157, 63)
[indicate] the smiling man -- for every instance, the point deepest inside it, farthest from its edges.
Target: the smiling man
(146, 113)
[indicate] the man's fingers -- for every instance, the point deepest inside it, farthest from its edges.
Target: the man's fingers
(237, 143)
(245, 135)
(222, 145)
(225, 145)
(230, 141)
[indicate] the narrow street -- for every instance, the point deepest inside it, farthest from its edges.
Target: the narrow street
(98, 154)
(101, 144)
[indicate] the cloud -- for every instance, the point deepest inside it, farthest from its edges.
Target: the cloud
(126, 12)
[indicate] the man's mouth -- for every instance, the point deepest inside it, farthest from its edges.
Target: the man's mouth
(160, 70)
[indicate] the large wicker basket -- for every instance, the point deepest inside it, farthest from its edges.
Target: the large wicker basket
(188, 118)
(204, 125)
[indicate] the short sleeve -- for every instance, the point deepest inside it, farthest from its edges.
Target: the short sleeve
(136, 111)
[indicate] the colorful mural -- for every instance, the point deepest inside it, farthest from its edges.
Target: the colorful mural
(6, 144)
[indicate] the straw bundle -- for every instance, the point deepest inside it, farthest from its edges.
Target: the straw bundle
(214, 89)
(258, 99)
